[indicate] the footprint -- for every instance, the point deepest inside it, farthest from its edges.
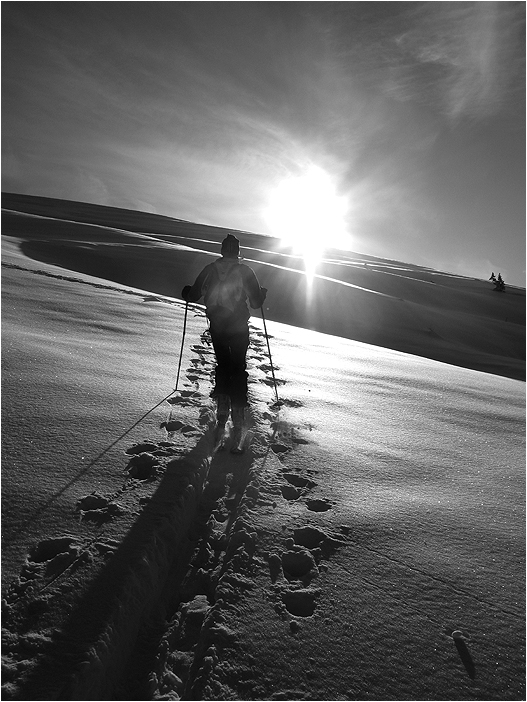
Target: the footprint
(143, 466)
(44, 563)
(52, 557)
(180, 401)
(281, 429)
(318, 505)
(299, 481)
(289, 492)
(301, 603)
(173, 425)
(142, 447)
(49, 548)
(93, 501)
(291, 403)
(97, 508)
(309, 536)
(198, 362)
(273, 381)
(201, 350)
(189, 429)
(280, 448)
(106, 547)
(101, 516)
(196, 371)
(168, 451)
(206, 418)
(298, 562)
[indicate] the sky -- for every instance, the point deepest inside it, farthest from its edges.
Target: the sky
(413, 111)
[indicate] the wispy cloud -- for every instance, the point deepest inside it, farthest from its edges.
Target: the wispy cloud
(198, 110)
(461, 58)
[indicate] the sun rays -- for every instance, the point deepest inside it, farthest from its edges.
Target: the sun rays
(308, 214)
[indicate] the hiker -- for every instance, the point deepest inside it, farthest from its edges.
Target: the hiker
(228, 287)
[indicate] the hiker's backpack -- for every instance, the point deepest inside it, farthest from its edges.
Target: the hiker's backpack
(223, 288)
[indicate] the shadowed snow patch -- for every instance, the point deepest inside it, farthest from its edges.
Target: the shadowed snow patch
(299, 481)
(298, 562)
(318, 505)
(142, 466)
(301, 603)
(49, 548)
(308, 536)
(289, 492)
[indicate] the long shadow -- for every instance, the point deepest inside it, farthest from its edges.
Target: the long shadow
(85, 657)
(466, 658)
(42, 508)
(196, 572)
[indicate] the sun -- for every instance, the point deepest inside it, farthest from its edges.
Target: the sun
(306, 213)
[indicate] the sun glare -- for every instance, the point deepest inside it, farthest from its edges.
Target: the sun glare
(306, 213)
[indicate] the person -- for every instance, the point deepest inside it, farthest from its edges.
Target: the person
(228, 288)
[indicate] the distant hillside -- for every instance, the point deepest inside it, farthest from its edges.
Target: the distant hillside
(450, 318)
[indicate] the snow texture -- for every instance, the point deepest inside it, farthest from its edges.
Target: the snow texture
(369, 543)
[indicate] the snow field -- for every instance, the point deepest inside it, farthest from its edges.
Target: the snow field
(376, 511)
(424, 534)
(108, 574)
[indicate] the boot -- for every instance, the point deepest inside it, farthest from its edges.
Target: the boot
(238, 417)
(223, 405)
(222, 415)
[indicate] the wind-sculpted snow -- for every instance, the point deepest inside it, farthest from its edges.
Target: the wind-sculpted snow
(369, 543)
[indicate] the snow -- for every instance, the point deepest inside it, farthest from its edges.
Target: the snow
(377, 511)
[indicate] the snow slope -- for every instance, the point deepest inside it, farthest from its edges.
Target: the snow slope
(376, 511)
(450, 318)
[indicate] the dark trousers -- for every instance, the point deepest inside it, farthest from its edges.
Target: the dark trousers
(231, 375)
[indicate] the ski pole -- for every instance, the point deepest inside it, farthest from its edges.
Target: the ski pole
(270, 357)
(182, 342)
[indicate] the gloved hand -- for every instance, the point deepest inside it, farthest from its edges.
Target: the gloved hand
(264, 294)
(185, 292)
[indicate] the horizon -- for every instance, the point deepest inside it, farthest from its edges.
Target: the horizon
(283, 247)
(202, 112)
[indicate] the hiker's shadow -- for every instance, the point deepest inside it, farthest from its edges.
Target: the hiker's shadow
(85, 658)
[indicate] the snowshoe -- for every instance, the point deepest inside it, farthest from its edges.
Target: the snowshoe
(223, 406)
(219, 437)
(238, 436)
